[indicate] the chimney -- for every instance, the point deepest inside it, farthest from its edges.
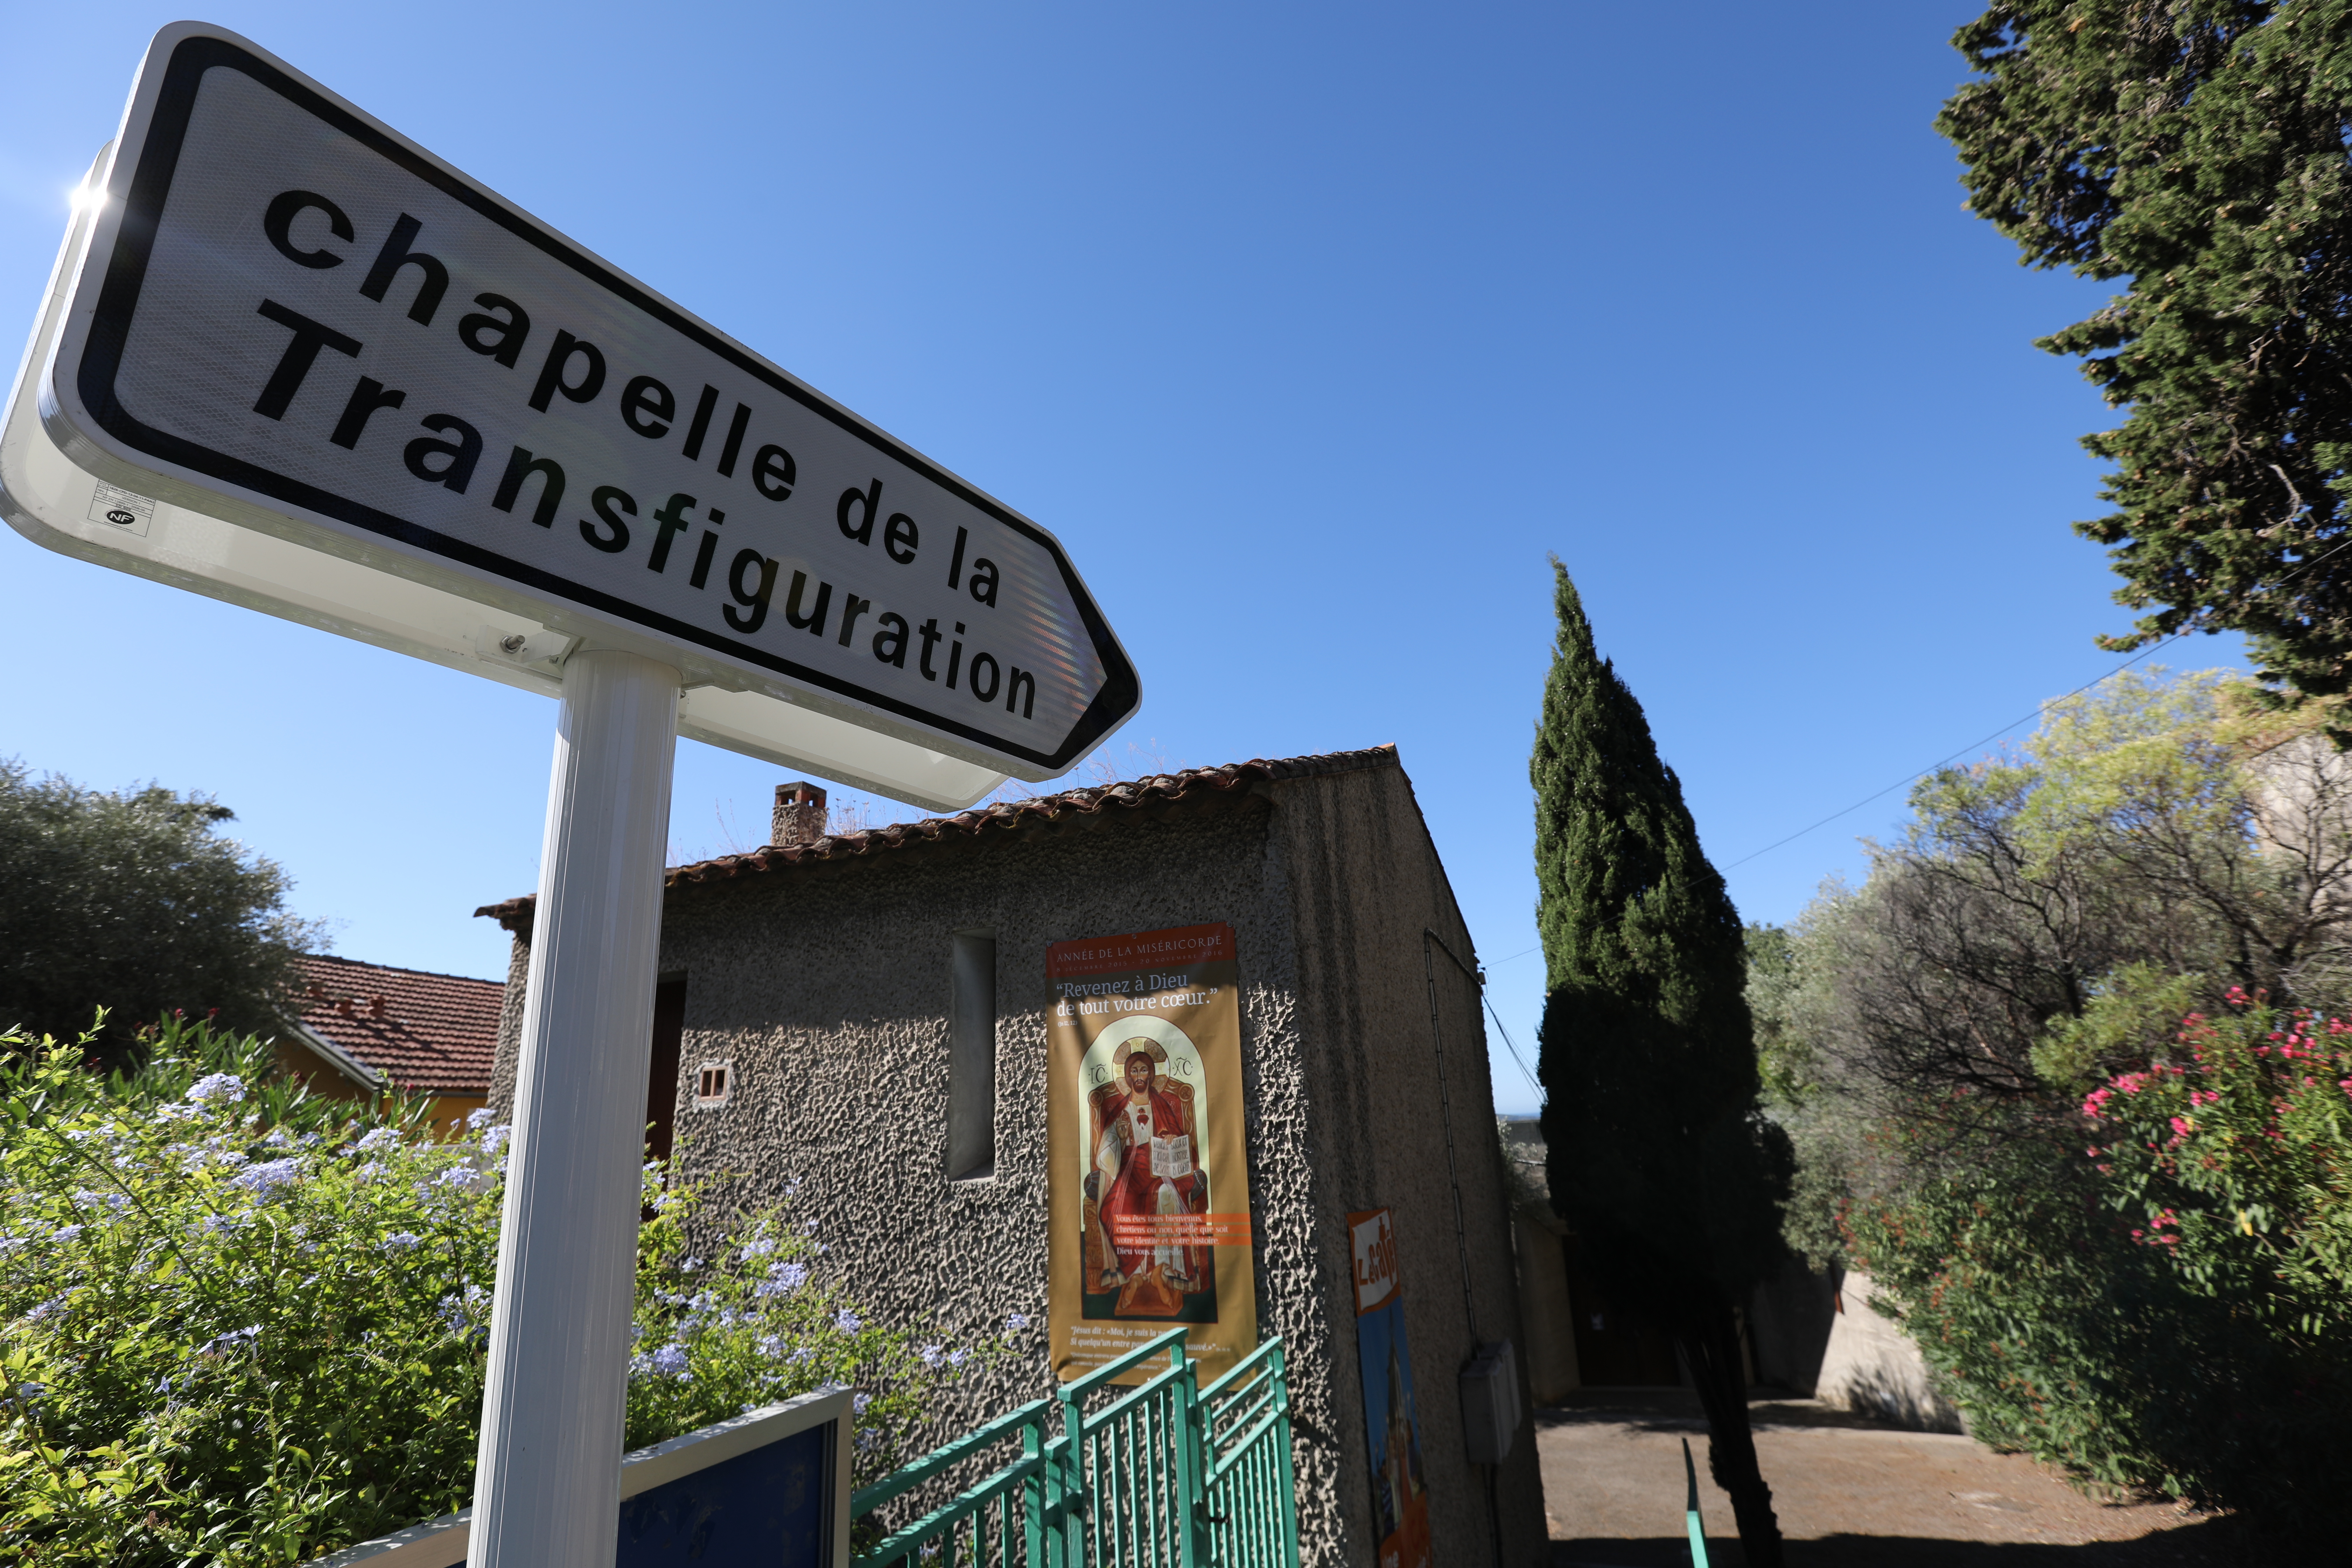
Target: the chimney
(800, 814)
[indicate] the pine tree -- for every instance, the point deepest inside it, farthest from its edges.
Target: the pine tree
(2192, 151)
(1659, 1158)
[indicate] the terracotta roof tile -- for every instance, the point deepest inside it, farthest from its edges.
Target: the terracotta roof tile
(431, 1033)
(1003, 819)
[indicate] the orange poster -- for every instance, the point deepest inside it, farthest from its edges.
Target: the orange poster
(1148, 1180)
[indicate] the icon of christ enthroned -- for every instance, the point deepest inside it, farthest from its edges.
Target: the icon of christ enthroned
(1145, 1141)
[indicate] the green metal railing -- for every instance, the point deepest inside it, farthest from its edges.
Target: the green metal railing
(1166, 1475)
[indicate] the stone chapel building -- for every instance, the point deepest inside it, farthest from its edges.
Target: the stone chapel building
(864, 1014)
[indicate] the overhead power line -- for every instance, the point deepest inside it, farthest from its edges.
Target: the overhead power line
(1972, 745)
(1517, 1060)
(2013, 723)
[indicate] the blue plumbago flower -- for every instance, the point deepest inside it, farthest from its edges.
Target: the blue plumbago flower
(169, 1112)
(859, 1402)
(65, 1233)
(868, 1437)
(268, 1176)
(669, 1361)
(223, 1086)
(277, 1137)
(458, 1177)
(402, 1240)
(689, 1266)
(760, 1248)
(496, 1138)
(475, 1119)
(782, 1280)
(846, 1321)
(958, 1357)
(9, 1244)
(454, 1308)
(116, 1201)
(381, 1138)
(49, 1308)
(929, 1355)
(1015, 1321)
(369, 1172)
(221, 1345)
(802, 1354)
(770, 1345)
(218, 1224)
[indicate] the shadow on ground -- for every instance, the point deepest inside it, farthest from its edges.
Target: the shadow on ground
(2220, 1543)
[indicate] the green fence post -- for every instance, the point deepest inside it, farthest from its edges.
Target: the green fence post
(1075, 1501)
(1035, 1493)
(1690, 1511)
(1191, 1446)
(1285, 1480)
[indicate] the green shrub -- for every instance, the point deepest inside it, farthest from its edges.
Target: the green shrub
(240, 1324)
(2168, 1304)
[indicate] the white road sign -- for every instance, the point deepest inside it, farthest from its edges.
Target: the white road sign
(293, 360)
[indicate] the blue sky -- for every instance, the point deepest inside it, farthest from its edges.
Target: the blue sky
(1312, 331)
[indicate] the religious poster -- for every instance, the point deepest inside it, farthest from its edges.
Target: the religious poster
(1392, 1425)
(1147, 1181)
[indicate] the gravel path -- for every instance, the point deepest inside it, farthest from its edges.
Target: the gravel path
(1850, 1493)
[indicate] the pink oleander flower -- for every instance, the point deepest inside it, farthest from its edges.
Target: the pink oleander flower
(2096, 1102)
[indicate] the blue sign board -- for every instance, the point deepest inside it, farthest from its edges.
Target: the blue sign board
(770, 1488)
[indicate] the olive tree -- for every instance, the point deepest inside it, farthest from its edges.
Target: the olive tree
(135, 902)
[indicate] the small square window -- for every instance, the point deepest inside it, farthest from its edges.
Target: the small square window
(713, 1085)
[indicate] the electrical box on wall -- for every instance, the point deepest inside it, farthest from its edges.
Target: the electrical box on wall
(1490, 1403)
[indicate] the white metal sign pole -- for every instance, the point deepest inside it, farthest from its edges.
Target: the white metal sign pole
(546, 1490)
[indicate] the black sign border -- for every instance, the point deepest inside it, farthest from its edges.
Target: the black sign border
(118, 299)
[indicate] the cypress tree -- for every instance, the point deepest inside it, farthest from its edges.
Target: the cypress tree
(1659, 1157)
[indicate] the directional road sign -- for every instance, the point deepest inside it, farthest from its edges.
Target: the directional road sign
(291, 359)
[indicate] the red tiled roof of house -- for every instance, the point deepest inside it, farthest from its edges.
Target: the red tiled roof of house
(1004, 818)
(429, 1034)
